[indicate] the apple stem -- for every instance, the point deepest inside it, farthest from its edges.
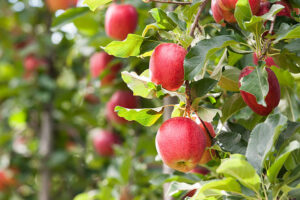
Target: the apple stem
(188, 97)
(197, 17)
(170, 2)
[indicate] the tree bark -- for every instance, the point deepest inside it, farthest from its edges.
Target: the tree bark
(167, 115)
(45, 151)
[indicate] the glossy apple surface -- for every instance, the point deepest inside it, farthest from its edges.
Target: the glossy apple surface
(286, 11)
(55, 5)
(216, 11)
(104, 142)
(272, 99)
(120, 98)
(207, 154)
(100, 62)
(166, 66)
(120, 20)
(269, 61)
(180, 143)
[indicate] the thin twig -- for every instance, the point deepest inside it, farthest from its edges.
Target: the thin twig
(197, 17)
(170, 2)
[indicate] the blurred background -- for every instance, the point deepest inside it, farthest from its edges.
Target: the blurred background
(50, 107)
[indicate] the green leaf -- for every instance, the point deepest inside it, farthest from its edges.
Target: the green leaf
(125, 169)
(87, 24)
(162, 19)
(140, 85)
(123, 49)
(256, 83)
(242, 13)
(290, 104)
(293, 46)
(230, 79)
(175, 187)
(263, 138)
(284, 77)
(287, 32)
(68, 16)
(232, 105)
(208, 114)
(181, 24)
(217, 188)
(203, 86)
(146, 117)
(201, 52)
(238, 168)
(280, 160)
(94, 4)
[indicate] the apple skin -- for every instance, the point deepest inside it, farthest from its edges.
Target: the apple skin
(54, 5)
(269, 61)
(104, 141)
(7, 179)
(99, 62)
(31, 63)
(166, 66)
(216, 11)
(120, 20)
(227, 8)
(120, 98)
(286, 11)
(180, 143)
(207, 154)
(272, 99)
(264, 8)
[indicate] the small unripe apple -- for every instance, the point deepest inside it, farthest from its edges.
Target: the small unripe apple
(31, 63)
(269, 61)
(120, 20)
(166, 66)
(216, 11)
(104, 142)
(286, 11)
(207, 154)
(272, 99)
(54, 5)
(180, 142)
(100, 62)
(120, 98)
(228, 6)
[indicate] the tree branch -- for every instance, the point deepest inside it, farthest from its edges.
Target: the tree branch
(197, 17)
(170, 2)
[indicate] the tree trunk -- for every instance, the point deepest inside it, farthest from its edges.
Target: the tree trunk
(167, 115)
(45, 151)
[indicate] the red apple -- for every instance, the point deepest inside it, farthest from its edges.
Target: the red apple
(120, 20)
(189, 194)
(264, 8)
(120, 98)
(166, 66)
(269, 61)
(286, 11)
(216, 11)
(7, 178)
(31, 63)
(272, 99)
(99, 62)
(200, 170)
(54, 5)
(104, 141)
(207, 154)
(227, 8)
(180, 142)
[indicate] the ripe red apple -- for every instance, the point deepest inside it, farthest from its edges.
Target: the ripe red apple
(99, 62)
(200, 170)
(31, 63)
(104, 141)
(228, 6)
(207, 154)
(269, 61)
(272, 99)
(54, 5)
(264, 8)
(180, 142)
(286, 11)
(7, 179)
(216, 11)
(189, 194)
(166, 66)
(120, 20)
(120, 98)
